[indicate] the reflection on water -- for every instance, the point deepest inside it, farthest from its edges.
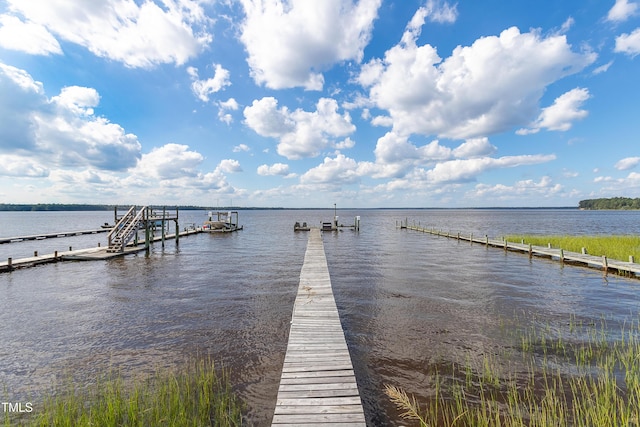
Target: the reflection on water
(409, 302)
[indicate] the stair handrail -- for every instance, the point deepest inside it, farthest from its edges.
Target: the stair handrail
(116, 228)
(129, 227)
(132, 227)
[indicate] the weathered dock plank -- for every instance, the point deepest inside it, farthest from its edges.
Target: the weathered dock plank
(318, 385)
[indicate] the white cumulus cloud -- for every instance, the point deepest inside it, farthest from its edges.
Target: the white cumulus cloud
(21, 166)
(334, 171)
(629, 43)
(205, 88)
(138, 34)
(177, 167)
(168, 162)
(21, 96)
(223, 110)
(230, 166)
(526, 188)
(561, 114)
(27, 37)
(622, 10)
(482, 89)
(78, 100)
(627, 163)
(474, 147)
(300, 133)
(290, 42)
(62, 131)
(434, 11)
(274, 169)
(467, 170)
(241, 147)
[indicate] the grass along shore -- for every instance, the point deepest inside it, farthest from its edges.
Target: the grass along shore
(614, 247)
(196, 395)
(586, 378)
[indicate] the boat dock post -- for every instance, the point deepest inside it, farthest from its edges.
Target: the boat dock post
(317, 385)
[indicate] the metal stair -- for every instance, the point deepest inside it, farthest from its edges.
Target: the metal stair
(125, 229)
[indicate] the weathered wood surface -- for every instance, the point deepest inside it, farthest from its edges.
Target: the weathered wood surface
(318, 385)
(554, 253)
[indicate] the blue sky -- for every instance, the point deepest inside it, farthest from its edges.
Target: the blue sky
(368, 103)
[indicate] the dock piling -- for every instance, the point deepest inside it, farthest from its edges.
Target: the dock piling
(164, 215)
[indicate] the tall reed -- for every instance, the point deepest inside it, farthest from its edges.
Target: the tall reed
(197, 395)
(614, 247)
(556, 381)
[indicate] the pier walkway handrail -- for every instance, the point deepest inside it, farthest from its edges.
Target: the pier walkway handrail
(318, 385)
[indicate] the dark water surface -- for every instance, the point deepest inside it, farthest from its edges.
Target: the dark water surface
(408, 301)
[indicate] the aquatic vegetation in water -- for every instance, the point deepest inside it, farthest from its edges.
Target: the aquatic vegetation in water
(585, 378)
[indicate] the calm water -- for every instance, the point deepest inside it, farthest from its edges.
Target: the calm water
(408, 301)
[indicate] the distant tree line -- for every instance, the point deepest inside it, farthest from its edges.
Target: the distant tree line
(612, 203)
(54, 207)
(86, 207)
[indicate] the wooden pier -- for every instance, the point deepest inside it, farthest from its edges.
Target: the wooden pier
(318, 385)
(88, 254)
(44, 236)
(601, 262)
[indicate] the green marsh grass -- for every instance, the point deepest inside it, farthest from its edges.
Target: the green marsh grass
(614, 247)
(586, 378)
(197, 395)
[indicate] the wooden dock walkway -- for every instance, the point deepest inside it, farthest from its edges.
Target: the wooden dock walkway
(318, 385)
(88, 254)
(601, 262)
(43, 236)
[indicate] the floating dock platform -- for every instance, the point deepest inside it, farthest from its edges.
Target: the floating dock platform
(328, 226)
(317, 385)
